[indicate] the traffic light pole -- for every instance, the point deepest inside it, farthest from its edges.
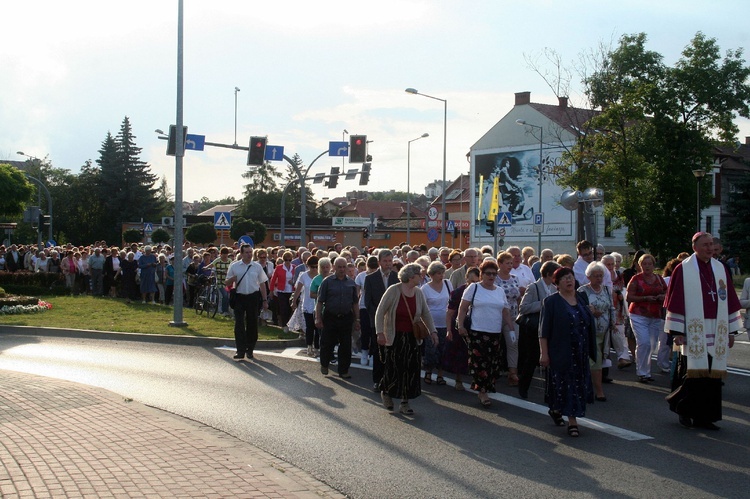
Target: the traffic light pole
(49, 210)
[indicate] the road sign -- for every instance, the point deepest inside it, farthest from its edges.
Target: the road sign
(51, 243)
(247, 240)
(222, 220)
(195, 142)
(501, 232)
(274, 153)
(432, 213)
(338, 148)
(505, 220)
(432, 235)
(450, 226)
(538, 223)
(148, 227)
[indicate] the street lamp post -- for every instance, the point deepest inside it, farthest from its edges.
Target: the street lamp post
(541, 178)
(699, 174)
(445, 137)
(236, 89)
(408, 187)
(49, 200)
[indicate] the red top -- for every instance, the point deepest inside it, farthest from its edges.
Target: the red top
(403, 322)
(642, 288)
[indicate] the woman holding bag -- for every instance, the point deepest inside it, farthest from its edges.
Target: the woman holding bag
(528, 341)
(402, 305)
(490, 316)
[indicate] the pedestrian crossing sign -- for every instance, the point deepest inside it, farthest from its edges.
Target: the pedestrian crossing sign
(222, 220)
(505, 220)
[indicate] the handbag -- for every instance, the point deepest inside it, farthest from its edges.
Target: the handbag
(529, 321)
(467, 319)
(419, 328)
(233, 291)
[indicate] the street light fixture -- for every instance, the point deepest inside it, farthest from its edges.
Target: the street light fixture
(445, 137)
(408, 187)
(699, 174)
(541, 177)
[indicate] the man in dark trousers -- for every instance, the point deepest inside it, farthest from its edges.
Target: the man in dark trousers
(249, 279)
(374, 289)
(336, 310)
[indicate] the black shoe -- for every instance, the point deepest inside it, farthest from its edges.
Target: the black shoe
(706, 425)
(686, 422)
(523, 392)
(345, 376)
(608, 380)
(239, 356)
(324, 370)
(376, 387)
(249, 355)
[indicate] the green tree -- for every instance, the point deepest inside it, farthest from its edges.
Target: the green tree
(132, 236)
(736, 238)
(128, 186)
(656, 125)
(244, 227)
(202, 233)
(160, 236)
(15, 190)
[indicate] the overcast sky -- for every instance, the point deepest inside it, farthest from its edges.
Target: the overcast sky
(306, 71)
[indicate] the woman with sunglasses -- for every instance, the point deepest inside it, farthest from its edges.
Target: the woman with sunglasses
(490, 317)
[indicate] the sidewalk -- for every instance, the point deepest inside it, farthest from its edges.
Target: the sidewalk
(63, 439)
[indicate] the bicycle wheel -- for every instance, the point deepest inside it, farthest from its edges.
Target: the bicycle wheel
(199, 303)
(212, 303)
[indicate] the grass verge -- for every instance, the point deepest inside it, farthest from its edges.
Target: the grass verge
(109, 314)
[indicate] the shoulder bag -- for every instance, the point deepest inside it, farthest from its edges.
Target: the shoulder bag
(233, 291)
(467, 319)
(419, 328)
(530, 321)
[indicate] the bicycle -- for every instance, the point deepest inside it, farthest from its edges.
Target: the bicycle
(207, 299)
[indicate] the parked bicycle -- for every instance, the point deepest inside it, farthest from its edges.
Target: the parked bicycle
(207, 299)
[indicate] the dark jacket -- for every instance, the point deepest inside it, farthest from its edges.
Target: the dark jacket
(555, 326)
(374, 291)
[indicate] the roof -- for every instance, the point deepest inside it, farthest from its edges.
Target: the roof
(458, 192)
(381, 209)
(566, 117)
(218, 208)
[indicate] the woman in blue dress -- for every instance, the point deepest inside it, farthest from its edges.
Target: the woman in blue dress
(147, 263)
(567, 340)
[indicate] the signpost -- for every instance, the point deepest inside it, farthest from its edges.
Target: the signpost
(338, 148)
(222, 220)
(350, 222)
(538, 223)
(505, 220)
(195, 142)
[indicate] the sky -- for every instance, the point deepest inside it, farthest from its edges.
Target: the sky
(307, 71)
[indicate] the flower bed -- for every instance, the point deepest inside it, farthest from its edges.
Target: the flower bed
(39, 306)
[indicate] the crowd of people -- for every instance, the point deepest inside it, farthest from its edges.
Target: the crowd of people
(477, 314)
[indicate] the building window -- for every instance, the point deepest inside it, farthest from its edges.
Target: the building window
(607, 226)
(709, 224)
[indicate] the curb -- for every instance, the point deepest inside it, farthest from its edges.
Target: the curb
(177, 339)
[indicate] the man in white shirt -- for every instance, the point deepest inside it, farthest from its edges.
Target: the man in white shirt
(585, 256)
(248, 278)
(522, 272)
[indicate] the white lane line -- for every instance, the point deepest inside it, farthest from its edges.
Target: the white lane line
(294, 353)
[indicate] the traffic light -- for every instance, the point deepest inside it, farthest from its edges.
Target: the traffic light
(491, 227)
(172, 142)
(365, 233)
(256, 156)
(43, 222)
(365, 175)
(357, 148)
(334, 178)
(455, 231)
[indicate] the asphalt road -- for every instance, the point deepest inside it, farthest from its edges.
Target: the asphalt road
(630, 446)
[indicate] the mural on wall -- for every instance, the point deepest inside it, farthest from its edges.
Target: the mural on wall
(517, 192)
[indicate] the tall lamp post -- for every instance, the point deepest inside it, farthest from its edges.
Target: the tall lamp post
(541, 178)
(699, 174)
(408, 187)
(445, 137)
(49, 199)
(236, 90)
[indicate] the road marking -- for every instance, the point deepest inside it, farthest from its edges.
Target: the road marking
(294, 353)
